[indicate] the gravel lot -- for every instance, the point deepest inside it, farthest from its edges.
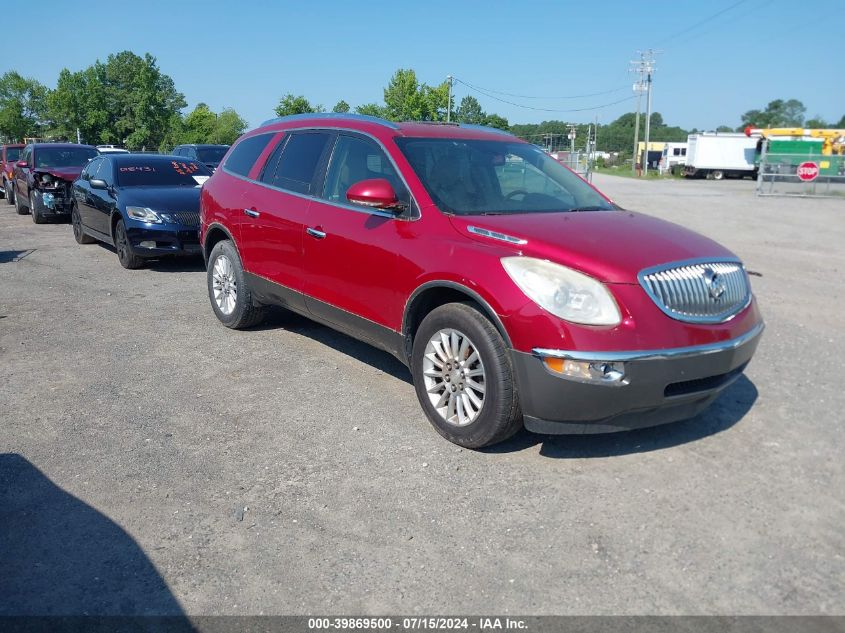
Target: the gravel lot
(152, 461)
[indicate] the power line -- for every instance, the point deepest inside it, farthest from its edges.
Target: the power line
(699, 23)
(510, 94)
(527, 107)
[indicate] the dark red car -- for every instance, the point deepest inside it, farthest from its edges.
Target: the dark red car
(44, 175)
(9, 155)
(515, 292)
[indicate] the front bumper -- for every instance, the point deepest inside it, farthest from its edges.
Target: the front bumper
(53, 202)
(163, 239)
(659, 386)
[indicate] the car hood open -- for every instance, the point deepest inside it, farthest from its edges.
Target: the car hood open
(612, 246)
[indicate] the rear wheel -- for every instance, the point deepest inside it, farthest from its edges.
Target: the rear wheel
(125, 256)
(228, 289)
(79, 233)
(7, 192)
(463, 377)
(717, 174)
(37, 216)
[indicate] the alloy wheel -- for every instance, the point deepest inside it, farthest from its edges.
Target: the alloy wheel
(224, 285)
(454, 377)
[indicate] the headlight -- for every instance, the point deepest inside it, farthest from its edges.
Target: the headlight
(143, 214)
(564, 292)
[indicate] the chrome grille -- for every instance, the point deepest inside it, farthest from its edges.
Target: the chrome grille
(185, 218)
(698, 291)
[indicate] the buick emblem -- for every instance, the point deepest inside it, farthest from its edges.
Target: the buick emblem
(715, 283)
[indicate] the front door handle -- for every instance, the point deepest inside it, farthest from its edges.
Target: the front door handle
(252, 213)
(315, 233)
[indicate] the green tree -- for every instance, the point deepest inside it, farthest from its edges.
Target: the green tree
(723, 128)
(199, 125)
(295, 104)
(841, 123)
(816, 122)
(341, 107)
(403, 97)
(371, 109)
(23, 106)
(494, 120)
(229, 126)
(778, 113)
(126, 100)
(469, 111)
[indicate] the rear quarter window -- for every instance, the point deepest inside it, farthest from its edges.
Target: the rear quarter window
(244, 154)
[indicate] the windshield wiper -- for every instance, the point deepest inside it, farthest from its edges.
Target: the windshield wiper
(595, 207)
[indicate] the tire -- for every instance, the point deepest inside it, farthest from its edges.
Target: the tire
(79, 233)
(19, 207)
(33, 209)
(9, 190)
(125, 256)
(228, 289)
(717, 174)
(470, 334)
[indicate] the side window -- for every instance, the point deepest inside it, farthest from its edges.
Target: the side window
(91, 168)
(27, 156)
(177, 151)
(298, 163)
(245, 153)
(355, 159)
(105, 172)
(268, 172)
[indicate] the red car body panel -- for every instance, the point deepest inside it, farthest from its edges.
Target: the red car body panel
(366, 271)
(7, 167)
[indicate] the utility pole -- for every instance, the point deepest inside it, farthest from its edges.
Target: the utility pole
(638, 68)
(449, 107)
(649, 59)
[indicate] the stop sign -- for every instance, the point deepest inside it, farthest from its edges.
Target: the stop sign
(808, 171)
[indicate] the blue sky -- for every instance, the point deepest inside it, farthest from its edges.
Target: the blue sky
(246, 55)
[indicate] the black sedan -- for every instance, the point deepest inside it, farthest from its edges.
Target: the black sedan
(146, 206)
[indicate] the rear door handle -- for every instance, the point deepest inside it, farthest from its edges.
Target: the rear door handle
(315, 233)
(252, 213)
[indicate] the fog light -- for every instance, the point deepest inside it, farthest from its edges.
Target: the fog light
(599, 371)
(147, 244)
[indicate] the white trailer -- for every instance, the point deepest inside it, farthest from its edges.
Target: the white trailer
(719, 155)
(674, 155)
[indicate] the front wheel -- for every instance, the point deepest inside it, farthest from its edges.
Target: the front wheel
(8, 192)
(37, 216)
(717, 174)
(464, 378)
(229, 290)
(125, 256)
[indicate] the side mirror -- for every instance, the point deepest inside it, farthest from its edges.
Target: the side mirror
(22, 164)
(97, 183)
(374, 192)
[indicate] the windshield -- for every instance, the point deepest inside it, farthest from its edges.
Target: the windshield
(13, 153)
(211, 154)
(63, 156)
(470, 177)
(161, 173)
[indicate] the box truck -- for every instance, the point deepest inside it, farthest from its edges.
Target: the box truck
(719, 155)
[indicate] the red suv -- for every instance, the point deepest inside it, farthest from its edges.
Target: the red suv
(515, 292)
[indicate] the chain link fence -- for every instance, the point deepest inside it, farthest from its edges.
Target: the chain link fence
(806, 175)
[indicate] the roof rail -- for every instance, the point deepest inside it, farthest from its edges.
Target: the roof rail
(484, 128)
(333, 115)
(433, 123)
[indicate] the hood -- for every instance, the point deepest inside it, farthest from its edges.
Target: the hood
(612, 246)
(63, 173)
(161, 198)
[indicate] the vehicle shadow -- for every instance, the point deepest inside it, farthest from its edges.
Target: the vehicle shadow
(61, 557)
(728, 409)
(364, 352)
(173, 264)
